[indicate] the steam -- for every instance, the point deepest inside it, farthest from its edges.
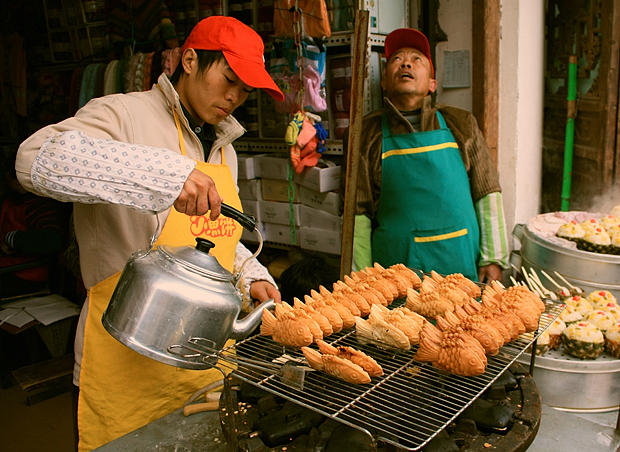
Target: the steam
(605, 203)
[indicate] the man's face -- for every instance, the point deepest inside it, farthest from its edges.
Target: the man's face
(408, 73)
(213, 94)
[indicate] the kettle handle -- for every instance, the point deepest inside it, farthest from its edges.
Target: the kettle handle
(247, 221)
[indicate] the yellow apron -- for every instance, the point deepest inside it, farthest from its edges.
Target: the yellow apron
(122, 390)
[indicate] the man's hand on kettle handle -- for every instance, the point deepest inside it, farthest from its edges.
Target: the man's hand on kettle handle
(262, 291)
(198, 196)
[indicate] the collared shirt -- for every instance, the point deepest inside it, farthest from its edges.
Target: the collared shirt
(205, 132)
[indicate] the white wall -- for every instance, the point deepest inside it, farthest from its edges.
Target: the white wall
(521, 108)
(455, 19)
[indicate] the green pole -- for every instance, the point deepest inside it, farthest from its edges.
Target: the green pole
(570, 131)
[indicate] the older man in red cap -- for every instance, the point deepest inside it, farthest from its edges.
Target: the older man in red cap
(142, 166)
(428, 194)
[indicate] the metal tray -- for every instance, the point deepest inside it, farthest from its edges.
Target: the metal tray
(406, 407)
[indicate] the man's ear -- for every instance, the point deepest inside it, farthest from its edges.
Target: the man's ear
(383, 82)
(188, 59)
(432, 86)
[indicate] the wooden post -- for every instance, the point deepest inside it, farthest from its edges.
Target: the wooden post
(485, 70)
(356, 113)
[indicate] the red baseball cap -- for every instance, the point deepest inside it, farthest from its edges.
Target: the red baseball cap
(408, 37)
(242, 47)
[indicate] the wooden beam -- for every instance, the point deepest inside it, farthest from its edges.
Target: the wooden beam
(485, 70)
(356, 113)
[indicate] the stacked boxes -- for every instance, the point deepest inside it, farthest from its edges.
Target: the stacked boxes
(264, 190)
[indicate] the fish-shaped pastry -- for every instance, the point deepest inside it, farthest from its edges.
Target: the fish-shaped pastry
(341, 299)
(407, 324)
(356, 356)
(347, 317)
(475, 330)
(414, 279)
(409, 313)
(516, 303)
(455, 351)
(470, 287)
(380, 284)
(315, 329)
(428, 304)
(342, 291)
(326, 311)
(487, 323)
(380, 333)
(286, 329)
(338, 367)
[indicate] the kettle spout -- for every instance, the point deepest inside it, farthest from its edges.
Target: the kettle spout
(242, 328)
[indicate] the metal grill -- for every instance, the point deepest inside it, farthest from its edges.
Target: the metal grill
(406, 407)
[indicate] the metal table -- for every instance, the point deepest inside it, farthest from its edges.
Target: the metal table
(175, 432)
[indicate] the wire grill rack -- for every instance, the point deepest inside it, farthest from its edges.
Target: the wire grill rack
(406, 407)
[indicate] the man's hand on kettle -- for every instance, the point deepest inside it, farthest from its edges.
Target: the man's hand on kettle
(490, 273)
(263, 290)
(198, 196)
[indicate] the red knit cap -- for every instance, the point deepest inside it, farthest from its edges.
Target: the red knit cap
(242, 47)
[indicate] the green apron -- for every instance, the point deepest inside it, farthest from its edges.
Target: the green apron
(426, 217)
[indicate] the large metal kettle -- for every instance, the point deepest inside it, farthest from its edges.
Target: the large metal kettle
(169, 294)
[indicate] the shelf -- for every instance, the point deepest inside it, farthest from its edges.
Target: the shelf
(263, 145)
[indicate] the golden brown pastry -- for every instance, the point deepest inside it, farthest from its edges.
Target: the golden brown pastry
(454, 351)
(287, 329)
(356, 356)
(338, 367)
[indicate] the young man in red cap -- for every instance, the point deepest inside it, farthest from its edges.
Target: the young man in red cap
(150, 165)
(428, 194)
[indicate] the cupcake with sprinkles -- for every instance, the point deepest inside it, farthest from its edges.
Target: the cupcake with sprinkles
(583, 340)
(570, 315)
(608, 221)
(555, 331)
(580, 304)
(589, 225)
(571, 231)
(612, 341)
(614, 237)
(613, 309)
(601, 298)
(611, 230)
(603, 320)
(616, 211)
(542, 344)
(596, 240)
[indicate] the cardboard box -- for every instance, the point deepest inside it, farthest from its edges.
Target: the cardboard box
(328, 201)
(271, 166)
(245, 165)
(314, 218)
(277, 212)
(320, 240)
(250, 189)
(277, 190)
(280, 233)
(319, 179)
(252, 237)
(251, 208)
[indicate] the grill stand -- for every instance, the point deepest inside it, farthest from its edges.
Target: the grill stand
(463, 433)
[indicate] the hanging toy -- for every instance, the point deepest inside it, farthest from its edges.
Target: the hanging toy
(321, 135)
(292, 131)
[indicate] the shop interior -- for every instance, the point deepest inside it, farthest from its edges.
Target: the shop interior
(59, 54)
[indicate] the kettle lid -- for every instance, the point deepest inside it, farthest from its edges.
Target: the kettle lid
(198, 259)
